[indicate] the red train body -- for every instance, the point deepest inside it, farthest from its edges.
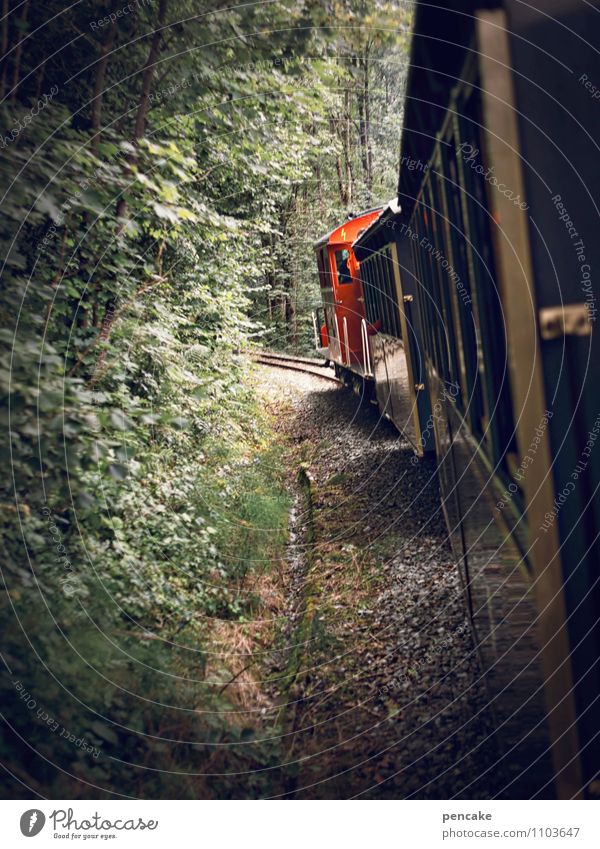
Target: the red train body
(343, 332)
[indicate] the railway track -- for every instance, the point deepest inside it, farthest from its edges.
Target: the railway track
(305, 365)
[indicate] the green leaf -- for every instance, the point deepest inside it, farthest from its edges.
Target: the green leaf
(120, 420)
(46, 204)
(117, 471)
(104, 732)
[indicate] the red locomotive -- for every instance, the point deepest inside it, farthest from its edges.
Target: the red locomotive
(342, 335)
(365, 333)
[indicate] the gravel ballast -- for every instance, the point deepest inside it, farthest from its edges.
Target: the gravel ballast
(386, 698)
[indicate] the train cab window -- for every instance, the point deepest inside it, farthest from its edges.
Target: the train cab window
(341, 263)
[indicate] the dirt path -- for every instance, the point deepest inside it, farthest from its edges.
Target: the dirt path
(376, 673)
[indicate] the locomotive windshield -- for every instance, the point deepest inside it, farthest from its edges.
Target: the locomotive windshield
(341, 262)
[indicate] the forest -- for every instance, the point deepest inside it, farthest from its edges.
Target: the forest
(166, 167)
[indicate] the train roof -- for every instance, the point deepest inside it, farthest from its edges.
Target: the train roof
(330, 237)
(442, 36)
(363, 245)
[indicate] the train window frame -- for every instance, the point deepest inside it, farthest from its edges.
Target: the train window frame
(441, 316)
(380, 293)
(375, 295)
(467, 326)
(320, 269)
(426, 299)
(499, 430)
(323, 266)
(388, 265)
(386, 319)
(365, 273)
(437, 239)
(494, 346)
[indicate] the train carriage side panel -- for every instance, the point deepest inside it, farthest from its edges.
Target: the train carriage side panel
(557, 91)
(487, 499)
(394, 333)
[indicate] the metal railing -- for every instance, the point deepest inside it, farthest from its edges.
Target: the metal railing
(346, 355)
(338, 351)
(341, 348)
(365, 346)
(315, 331)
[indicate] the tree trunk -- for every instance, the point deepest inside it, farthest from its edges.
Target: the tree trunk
(105, 50)
(348, 148)
(149, 68)
(40, 79)
(318, 177)
(18, 51)
(362, 135)
(334, 128)
(4, 59)
(364, 120)
(142, 110)
(290, 317)
(367, 107)
(341, 186)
